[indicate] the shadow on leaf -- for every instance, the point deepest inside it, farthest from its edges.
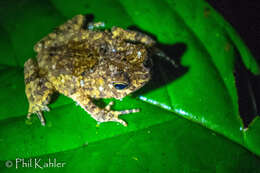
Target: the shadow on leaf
(163, 71)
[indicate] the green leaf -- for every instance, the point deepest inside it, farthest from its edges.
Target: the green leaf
(189, 119)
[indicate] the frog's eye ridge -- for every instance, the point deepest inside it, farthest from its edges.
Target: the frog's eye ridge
(120, 86)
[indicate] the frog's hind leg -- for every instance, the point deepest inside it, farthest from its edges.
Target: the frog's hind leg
(38, 90)
(63, 33)
(132, 36)
(136, 36)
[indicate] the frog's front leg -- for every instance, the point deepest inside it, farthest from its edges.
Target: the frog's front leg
(38, 90)
(102, 114)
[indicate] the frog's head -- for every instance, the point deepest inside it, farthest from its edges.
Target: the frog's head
(120, 73)
(128, 72)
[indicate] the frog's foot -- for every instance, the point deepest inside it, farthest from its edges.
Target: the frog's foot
(37, 109)
(109, 115)
(101, 114)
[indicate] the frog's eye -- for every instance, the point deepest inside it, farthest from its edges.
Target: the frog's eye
(120, 86)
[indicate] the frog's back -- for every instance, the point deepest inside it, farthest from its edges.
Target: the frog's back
(68, 47)
(72, 58)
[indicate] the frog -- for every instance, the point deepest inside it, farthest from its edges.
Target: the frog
(87, 64)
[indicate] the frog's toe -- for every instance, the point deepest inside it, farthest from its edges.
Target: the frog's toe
(129, 111)
(108, 107)
(45, 108)
(38, 111)
(29, 115)
(120, 121)
(116, 114)
(41, 118)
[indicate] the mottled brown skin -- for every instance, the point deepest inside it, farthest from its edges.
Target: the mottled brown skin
(85, 65)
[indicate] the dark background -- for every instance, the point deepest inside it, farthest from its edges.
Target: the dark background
(244, 16)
